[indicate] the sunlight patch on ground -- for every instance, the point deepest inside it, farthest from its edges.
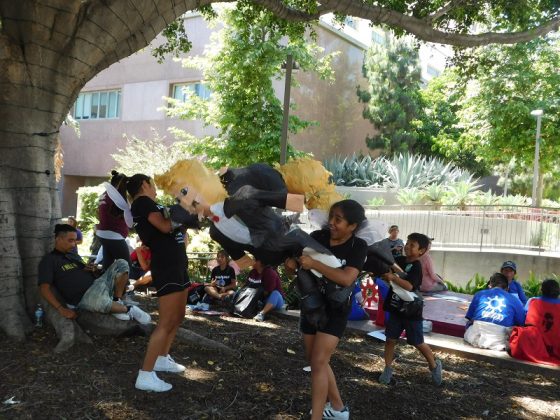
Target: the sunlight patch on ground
(264, 324)
(112, 408)
(548, 409)
(355, 340)
(197, 374)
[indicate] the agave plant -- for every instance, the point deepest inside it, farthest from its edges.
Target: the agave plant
(511, 201)
(485, 199)
(460, 193)
(406, 171)
(434, 193)
(376, 202)
(410, 196)
(550, 203)
(402, 171)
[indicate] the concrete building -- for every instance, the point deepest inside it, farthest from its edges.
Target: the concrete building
(126, 99)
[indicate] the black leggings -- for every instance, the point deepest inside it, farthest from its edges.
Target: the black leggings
(113, 249)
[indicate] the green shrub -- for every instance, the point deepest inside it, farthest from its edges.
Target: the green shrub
(88, 198)
(474, 285)
(376, 202)
(532, 286)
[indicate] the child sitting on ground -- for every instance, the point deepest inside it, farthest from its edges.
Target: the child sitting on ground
(416, 245)
(539, 340)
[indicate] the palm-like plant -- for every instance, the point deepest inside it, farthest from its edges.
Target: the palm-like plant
(485, 199)
(460, 193)
(434, 193)
(410, 196)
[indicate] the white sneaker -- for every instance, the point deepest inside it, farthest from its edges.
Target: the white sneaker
(327, 405)
(139, 315)
(149, 381)
(331, 413)
(167, 364)
(123, 316)
(259, 317)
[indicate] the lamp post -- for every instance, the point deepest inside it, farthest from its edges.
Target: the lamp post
(538, 113)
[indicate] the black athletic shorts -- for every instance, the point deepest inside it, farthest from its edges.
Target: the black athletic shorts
(170, 279)
(336, 324)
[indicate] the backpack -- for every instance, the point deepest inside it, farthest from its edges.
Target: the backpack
(195, 293)
(246, 301)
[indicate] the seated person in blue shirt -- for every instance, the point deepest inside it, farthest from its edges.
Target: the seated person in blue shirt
(491, 315)
(509, 269)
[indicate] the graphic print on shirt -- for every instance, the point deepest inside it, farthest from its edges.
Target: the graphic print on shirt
(494, 307)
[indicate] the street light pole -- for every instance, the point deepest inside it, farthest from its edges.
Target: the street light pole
(287, 86)
(538, 113)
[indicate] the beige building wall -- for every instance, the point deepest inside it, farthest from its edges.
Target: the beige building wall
(143, 82)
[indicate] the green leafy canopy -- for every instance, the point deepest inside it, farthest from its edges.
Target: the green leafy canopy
(239, 67)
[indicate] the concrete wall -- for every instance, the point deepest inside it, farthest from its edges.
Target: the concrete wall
(460, 266)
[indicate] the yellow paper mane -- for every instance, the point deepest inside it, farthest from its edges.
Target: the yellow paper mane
(309, 177)
(193, 174)
(304, 176)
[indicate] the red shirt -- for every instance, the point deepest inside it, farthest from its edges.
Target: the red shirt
(268, 279)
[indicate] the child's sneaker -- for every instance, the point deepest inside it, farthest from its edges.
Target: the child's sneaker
(331, 413)
(385, 377)
(259, 317)
(436, 373)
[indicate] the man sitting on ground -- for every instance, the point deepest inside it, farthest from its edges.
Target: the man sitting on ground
(77, 283)
(491, 315)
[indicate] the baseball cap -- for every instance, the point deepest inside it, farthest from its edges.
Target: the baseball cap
(509, 264)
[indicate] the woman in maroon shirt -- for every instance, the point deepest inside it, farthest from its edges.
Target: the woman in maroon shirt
(112, 229)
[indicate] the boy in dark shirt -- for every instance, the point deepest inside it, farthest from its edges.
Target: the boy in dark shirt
(416, 245)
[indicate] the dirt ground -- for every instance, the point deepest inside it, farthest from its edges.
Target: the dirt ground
(264, 380)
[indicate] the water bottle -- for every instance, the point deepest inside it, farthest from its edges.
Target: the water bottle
(39, 313)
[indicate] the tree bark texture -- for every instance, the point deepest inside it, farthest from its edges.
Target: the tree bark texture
(49, 49)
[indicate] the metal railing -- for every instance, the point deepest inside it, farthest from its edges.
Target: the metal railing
(482, 227)
(478, 227)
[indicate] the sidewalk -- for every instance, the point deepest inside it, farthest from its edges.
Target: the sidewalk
(454, 345)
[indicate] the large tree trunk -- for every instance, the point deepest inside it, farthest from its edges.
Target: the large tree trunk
(48, 50)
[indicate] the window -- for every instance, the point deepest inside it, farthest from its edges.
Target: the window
(378, 38)
(97, 105)
(179, 90)
(432, 71)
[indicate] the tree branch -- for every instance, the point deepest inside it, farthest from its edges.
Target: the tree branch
(444, 10)
(421, 28)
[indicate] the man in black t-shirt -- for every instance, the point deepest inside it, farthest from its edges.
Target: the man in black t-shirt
(77, 283)
(223, 281)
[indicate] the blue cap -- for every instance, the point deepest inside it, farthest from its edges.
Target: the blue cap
(509, 264)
